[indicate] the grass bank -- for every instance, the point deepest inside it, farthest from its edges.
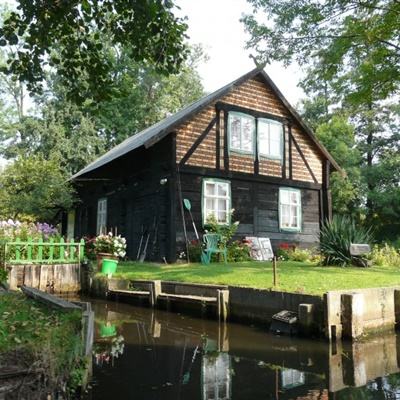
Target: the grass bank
(292, 276)
(36, 338)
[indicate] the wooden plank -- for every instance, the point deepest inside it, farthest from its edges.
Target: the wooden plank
(210, 172)
(218, 141)
(171, 210)
(226, 142)
(49, 299)
(304, 159)
(290, 152)
(44, 277)
(198, 141)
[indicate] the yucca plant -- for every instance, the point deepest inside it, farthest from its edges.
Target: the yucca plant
(335, 238)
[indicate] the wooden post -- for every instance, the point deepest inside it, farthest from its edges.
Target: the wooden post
(274, 271)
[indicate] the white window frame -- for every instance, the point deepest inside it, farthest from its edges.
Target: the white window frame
(101, 216)
(240, 149)
(228, 200)
(269, 155)
(290, 204)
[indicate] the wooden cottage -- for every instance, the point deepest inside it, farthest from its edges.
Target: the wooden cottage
(242, 147)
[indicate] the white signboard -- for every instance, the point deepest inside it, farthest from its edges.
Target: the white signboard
(260, 248)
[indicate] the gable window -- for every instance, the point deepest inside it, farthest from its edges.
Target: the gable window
(270, 138)
(101, 216)
(290, 209)
(241, 132)
(216, 200)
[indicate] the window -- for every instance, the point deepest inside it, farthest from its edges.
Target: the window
(290, 209)
(270, 138)
(216, 200)
(102, 216)
(241, 132)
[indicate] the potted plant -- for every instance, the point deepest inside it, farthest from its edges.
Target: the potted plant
(110, 248)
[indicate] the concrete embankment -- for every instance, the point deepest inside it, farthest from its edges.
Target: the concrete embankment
(351, 314)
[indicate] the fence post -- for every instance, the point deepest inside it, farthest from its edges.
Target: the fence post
(61, 255)
(51, 249)
(29, 249)
(71, 250)
(81, 253)
(40, 250)
(17, 249)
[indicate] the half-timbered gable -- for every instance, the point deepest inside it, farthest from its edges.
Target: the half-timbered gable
(242, 147)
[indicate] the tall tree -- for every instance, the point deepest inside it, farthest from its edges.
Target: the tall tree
(34, 187)
(352, 53)
(67, 36)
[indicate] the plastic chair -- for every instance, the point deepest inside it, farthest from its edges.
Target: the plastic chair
(212, 242)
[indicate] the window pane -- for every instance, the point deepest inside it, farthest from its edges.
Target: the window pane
(210, 204)
(235, 131)
(222, 206)
(210, 189)
(294, 220)
(294, 197)
(275, 148)
(285, 216)
(222, 216)
(275, 131)
(263, 137)
(284, 196)
(222, 189)
(247, 134)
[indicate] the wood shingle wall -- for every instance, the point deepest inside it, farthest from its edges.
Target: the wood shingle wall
(253, 95)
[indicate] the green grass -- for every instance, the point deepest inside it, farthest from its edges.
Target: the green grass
(292, 276)
(26, 323)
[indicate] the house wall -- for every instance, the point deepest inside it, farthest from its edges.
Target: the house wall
(254, 95)
(256, 207)
(136, 201)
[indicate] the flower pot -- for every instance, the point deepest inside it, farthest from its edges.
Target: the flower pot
(107, 330)
(101, 256)
(109, 266)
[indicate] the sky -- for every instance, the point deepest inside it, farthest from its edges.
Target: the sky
(215, 24)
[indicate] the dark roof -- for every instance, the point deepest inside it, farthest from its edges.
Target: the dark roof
(154, 133)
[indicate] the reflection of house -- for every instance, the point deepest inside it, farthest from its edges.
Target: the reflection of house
(241, 147)
(216, 376)
(292, 378)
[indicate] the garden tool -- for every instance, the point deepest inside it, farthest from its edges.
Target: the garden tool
(188, 207)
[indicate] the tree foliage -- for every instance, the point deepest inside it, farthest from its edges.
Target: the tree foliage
(34, 187)
(68, 37)
(351, 53)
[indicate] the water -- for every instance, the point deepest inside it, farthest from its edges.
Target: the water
(144, 354)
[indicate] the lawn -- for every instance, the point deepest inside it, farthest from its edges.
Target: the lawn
(292, 276)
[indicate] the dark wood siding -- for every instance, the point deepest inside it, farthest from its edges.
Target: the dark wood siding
(136, 201)
(256, 206)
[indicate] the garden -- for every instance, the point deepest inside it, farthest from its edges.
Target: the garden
(315, 271)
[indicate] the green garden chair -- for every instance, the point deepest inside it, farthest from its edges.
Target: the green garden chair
(212, 246)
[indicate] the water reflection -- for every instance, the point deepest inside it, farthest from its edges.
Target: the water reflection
(144, 354)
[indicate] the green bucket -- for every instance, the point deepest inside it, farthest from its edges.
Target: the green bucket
(108, 330)
(109, 266)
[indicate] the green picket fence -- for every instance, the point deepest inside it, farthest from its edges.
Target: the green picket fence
(44, 252)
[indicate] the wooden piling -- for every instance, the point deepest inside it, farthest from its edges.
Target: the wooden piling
(274, 271)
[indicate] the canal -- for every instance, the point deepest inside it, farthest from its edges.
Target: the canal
(141, 353)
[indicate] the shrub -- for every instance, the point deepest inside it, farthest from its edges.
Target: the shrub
(301, 255)
(386, 255)
(225, 231)
(3, 275)
(335, 239)
(238, 251)
(195, 248)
